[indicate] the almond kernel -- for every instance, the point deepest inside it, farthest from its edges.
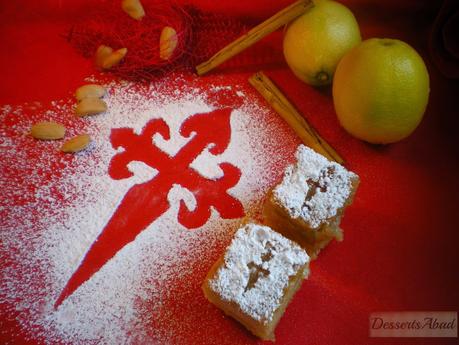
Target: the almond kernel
(89, 90)
(102, 53)
(78, 143)
(90, 106)
(47, 131)
(167, 42)
(133, 8)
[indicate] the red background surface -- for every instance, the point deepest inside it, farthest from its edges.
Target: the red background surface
(401, 234)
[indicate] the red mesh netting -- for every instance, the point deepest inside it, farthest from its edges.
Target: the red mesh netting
(200, 35)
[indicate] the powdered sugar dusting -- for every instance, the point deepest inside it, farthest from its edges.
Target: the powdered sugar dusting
(276, 259)
(314, 188)
(54, 207)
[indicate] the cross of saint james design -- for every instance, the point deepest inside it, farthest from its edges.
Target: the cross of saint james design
(146, 202)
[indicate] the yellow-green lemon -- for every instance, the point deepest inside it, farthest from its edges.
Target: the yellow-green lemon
(316, 41)
(381, 90)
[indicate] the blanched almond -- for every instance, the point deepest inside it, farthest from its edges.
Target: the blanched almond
(167, 42)
(89, 90)
(133, 8)
(90, 106)
(47, 131)
(102, 53)
(114, 58)
(78, 143)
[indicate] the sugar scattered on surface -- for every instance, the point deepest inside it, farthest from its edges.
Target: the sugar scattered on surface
(54, 206)
(314, 188)
(278, 257)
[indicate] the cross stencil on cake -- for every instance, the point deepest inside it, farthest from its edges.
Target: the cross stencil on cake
(146, 202)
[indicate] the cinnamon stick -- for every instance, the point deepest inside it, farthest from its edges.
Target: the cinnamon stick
(290, 114)
(255, 34)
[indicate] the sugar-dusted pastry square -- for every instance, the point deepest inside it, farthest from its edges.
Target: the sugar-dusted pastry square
(307, 206)
(257, 276)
